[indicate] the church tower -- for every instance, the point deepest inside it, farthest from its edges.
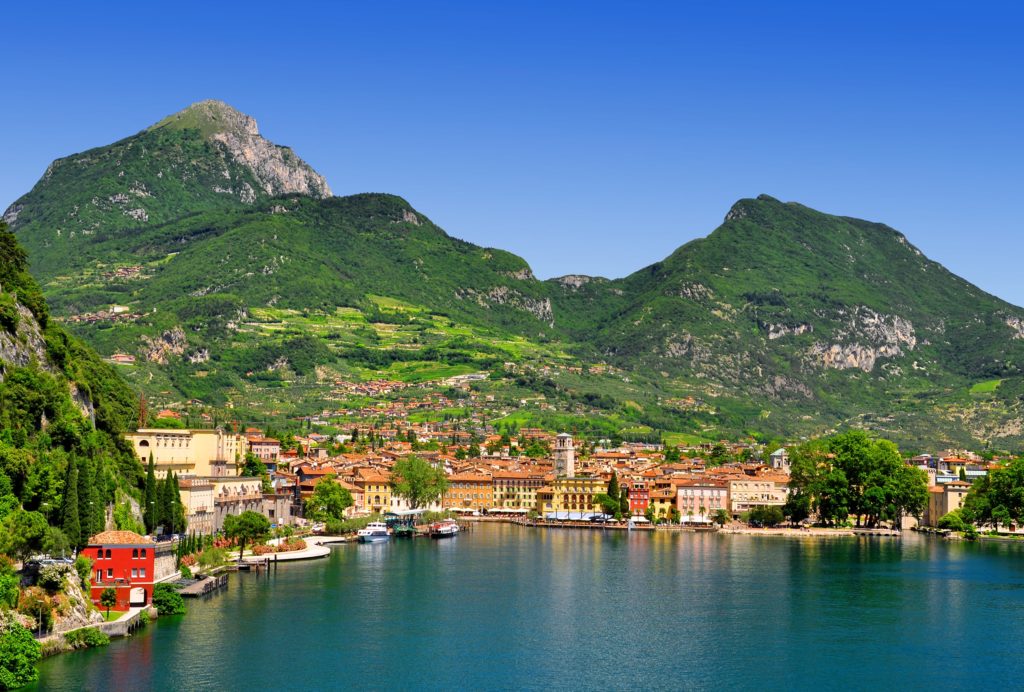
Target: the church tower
(565, 456)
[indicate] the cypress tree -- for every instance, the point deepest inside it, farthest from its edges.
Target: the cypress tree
(87, 500)
(99, 518)
(179, 507)
(149, 509)
(613, 487)
(624, 502)
(165, 512)
(69, 517)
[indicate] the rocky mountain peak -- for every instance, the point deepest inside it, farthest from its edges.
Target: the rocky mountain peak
(210, 117)
(278, 169)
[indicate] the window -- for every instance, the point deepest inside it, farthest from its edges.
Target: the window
(99, 575)
(110, 573)
(135, 553)
(143, 553)
(135, 573)
(108, 553)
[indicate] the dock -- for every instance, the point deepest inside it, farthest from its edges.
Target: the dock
(204, 586)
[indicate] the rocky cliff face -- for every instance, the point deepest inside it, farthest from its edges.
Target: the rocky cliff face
(277, 168)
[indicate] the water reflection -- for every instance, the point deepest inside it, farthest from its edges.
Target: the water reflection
(510, 607)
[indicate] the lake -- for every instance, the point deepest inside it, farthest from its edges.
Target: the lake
(507, 607)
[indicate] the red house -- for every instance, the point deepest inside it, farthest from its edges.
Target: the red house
(126, 561)
(639, 497)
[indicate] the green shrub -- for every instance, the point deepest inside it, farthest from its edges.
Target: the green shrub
(37, 606)
(51, 577)
(186, 573)
(19, 654)
(83, 565)
(213, 557)
(167, 600)
(86, 638)
(953, 521)
(8, 313)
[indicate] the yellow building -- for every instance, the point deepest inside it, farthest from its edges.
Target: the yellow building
(515, 490)
(468, 491)
(195, 452)
(662, 500)
(376, 487)
(570, 495)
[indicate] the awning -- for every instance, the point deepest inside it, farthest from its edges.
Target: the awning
(572, 516)
(639, 520)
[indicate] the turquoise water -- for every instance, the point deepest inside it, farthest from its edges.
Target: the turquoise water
(505, 607)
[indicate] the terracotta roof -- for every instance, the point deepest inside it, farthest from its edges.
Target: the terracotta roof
(119, 537)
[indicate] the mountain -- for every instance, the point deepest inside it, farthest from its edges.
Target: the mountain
(830, 315)
(208, 156)
(61, 405)
(223, 263)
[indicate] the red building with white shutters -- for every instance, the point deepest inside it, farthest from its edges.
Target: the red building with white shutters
(639, 497)
(123, 560)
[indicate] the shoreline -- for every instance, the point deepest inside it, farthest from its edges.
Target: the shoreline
(783, 532)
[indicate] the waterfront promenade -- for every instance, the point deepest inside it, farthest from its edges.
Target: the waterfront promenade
(316, 547)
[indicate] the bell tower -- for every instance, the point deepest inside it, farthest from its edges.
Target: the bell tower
(565, 456)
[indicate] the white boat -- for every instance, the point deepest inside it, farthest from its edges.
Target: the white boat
(444, 529)
(375, 532)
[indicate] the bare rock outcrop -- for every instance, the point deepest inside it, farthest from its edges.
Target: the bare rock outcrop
(863, 338)
(171, 343)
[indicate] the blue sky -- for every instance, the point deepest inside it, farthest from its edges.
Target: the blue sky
(587, 137)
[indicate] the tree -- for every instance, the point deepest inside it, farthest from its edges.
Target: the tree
(328, 501)
(55, 542)
(180, 520)
(19, 654)
(99, 512)
(87, 501)
(719, 454)
(10, 582)
(609, 505)
(953, 521)
(650, 514)
(852, 473)
(624, 502)
(252, 466)
(22, 534)
(108, 599)
(1000, 515)
(613, 488)
(167, 600)
(766, 515)
(164, 504)
(70, 517)
(419, 482)
(721, 517)
(247, 527)
(149, 508)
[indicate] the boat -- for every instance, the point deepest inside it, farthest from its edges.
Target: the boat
(444, 529)
(375, 532)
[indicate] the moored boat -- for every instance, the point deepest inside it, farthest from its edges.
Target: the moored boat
(444, 529)
(375, 532)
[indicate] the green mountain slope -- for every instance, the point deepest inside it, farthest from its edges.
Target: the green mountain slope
(207, 157)
(244, 278)
(822, 315)
(60, 406)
